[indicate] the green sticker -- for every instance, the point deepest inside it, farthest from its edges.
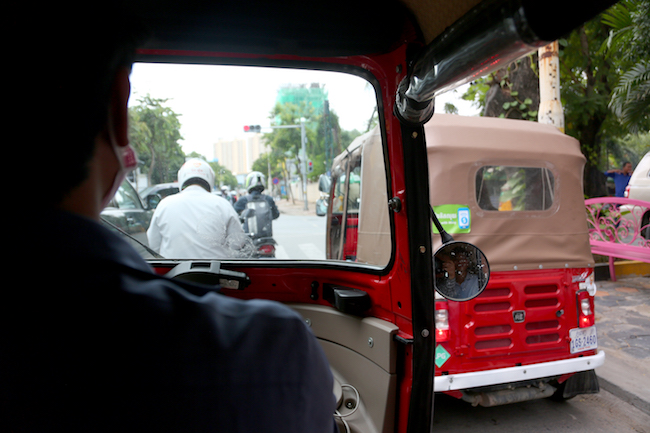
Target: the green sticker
(441, 356)
(454, 218)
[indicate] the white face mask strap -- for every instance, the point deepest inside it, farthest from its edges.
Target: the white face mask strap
(127, 161)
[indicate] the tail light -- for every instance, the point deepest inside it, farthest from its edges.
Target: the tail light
(266, 249)
(442, 321)
(586, 316)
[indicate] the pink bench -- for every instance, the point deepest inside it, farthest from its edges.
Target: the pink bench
(619, 227)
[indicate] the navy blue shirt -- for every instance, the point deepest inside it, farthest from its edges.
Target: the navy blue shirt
(620, 182)
(92, 340)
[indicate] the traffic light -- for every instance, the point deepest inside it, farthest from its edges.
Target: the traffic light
(310, 166)
(252, 128)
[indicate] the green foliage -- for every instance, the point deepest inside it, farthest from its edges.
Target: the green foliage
(631, 97)
(523, 107)
(450, 108)
(477, 90)
(325, 140)
(154, 131)
(223, 176)
(605, 85)
(518, 106)
(514, 189)
(586, 78)
(629, 148)
(263, 163)
(629, 23)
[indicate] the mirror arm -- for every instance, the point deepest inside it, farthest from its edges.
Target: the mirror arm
(446, 237)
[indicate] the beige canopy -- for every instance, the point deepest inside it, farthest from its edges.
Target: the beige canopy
(463, 150)
(367, 198)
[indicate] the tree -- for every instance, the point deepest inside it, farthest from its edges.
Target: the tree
(286, 142)
(603, 79)
(325, 140)
(587, 77)
(511, 92)
(154, 131)
(630, 24)
(223, 176)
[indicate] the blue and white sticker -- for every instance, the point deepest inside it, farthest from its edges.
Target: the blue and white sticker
(463, 218)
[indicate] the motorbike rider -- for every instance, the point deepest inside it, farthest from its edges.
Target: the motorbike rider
(195, 224)
(226, 194)
(255, 182)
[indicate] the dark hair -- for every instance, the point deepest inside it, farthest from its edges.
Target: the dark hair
(68, 57)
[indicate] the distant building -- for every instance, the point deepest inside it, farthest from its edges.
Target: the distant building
(239, 154)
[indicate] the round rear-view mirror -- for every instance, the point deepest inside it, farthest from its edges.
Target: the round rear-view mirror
(461, 271)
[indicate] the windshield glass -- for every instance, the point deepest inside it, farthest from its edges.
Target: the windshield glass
(267, 134)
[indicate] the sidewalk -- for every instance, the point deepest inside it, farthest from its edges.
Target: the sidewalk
(296, 208)
(623, 323)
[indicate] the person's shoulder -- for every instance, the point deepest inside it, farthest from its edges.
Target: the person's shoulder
(261, 308)
(170, 200)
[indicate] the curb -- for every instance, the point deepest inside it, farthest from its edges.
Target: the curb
(623, 268)
(624, 395)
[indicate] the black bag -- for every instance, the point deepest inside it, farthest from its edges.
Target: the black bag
(258, 220)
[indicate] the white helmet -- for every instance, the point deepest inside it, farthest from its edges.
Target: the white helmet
(196, 168)
(255, 181)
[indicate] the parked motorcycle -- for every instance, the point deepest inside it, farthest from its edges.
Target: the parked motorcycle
(324, 183)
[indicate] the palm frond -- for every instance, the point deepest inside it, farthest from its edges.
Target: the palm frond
(631, 98)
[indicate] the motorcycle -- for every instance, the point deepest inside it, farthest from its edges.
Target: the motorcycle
(324, 183)
(257, 224)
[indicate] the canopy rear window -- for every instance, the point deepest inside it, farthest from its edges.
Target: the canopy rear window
(503, 188)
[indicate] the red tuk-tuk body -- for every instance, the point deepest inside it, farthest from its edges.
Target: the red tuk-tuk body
(519, 185)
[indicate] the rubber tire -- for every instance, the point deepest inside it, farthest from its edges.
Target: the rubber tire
(645, 221)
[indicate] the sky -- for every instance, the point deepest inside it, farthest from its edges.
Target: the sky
(215, 102)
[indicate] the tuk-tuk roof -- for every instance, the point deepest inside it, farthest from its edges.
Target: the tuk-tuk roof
(458, 147)
(331, 28)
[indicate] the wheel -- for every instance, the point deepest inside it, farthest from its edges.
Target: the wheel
(645, 222)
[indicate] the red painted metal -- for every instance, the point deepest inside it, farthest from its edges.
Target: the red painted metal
(390, 293)
(484, 337)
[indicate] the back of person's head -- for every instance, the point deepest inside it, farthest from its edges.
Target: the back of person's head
(255, 182)
(196, 172)
(67, 56)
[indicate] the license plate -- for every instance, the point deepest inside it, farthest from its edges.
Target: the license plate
(583, 339)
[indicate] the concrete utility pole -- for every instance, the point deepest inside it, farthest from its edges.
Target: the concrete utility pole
(303, 160)
(550, 105)
(303, 155)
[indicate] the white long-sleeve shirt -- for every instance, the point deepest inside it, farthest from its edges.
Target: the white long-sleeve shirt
(195, 224)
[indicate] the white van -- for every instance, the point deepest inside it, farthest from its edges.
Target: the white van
(639, 189)
(639, 186)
